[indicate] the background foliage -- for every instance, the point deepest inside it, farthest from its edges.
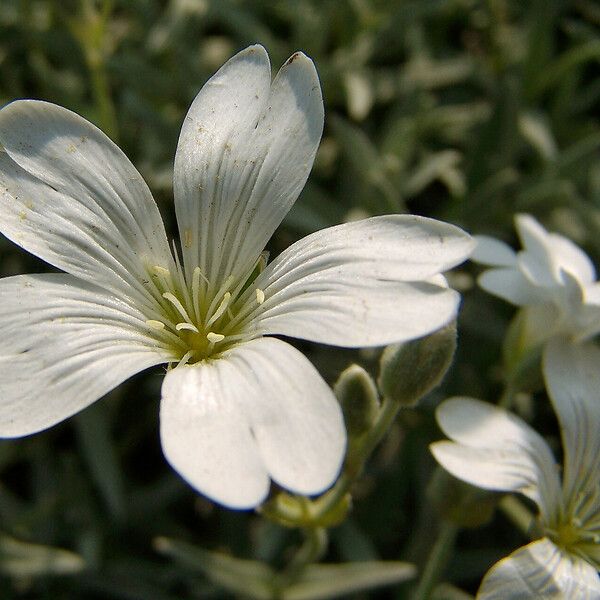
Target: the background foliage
(463, 110)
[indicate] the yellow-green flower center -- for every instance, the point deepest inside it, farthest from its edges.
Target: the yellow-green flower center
(200, 319)
(577, 530)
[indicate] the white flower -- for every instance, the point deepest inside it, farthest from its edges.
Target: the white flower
(553, 278)
(238, 408)
(496, 450)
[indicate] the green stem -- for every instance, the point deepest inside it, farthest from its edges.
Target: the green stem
(437, 560)
(507, 397)
(89, 28)
(517, 513)
(356, 461)
(311, 551)
(103, 98)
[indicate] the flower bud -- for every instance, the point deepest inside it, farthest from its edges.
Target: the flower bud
(357, 394)
(409, 371)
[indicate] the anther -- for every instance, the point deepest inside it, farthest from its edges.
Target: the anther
(214, 338)
(260, 296)
(155, 324)
(187, 326)
(161, 271)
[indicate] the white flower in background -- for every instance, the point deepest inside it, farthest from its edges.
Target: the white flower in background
(496, 450)
(551, 277)
(238, 408)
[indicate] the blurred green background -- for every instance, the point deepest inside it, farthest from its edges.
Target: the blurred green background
(463, 110)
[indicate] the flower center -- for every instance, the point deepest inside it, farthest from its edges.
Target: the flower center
(578, 530)
(200, 319)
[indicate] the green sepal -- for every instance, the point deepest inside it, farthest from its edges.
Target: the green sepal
(411, 370)
(298, 511)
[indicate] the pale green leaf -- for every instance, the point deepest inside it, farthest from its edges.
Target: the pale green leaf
(23, 559)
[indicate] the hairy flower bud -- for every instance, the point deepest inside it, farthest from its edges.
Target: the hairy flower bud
(411, 370)
(357, 394)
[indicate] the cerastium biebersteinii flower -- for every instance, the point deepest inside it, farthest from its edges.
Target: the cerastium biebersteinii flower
(237, 408)
(552, 279)
(496, 450)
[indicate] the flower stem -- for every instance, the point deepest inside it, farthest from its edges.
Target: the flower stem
(507, 397)
(90, 30)
(103, 99)
(436, 562)
(516, 512)
(311, 551)
(357, 459)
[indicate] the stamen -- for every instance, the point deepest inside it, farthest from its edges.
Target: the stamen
(200, 274)
(181, 277)
(214, 338)
(237, 337)
(222, 308)
(163, 277)
(155, 324)
(185, 358)
(187, 326)
(196, 275)
(224, 287)
(260, 296)
(175, 302)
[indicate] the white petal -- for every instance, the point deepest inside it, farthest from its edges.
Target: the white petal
(493, 252)
(365, 283)
(540, 571)
(206, 437)
(546, 254)
(592, 294)
(284, 419)
(295, 418)
(245, 151)
(571, 258)
(63, 345)
(496, 450)
(510, 285)
(71, 197)
(572, 374)
(536, 258)
(588, 317)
